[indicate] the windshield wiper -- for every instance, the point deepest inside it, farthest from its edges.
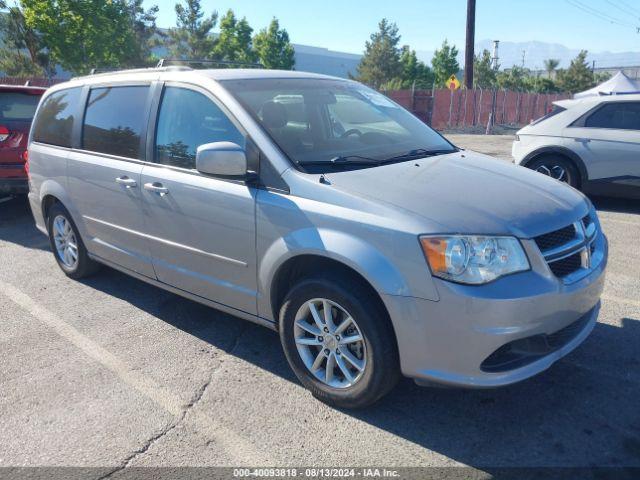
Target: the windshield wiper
(343, 160)
(418, 153)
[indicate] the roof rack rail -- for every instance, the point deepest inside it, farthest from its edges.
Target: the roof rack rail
(213, 63)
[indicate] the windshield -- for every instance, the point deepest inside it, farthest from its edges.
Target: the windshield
(18, 106)
(316, 121)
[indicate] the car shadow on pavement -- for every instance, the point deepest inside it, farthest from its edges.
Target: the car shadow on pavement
(582, 412)
(17, 224)
(620, 205)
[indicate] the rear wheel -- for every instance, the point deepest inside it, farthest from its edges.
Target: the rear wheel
(66, 244)
(558, 168)
(339, 341)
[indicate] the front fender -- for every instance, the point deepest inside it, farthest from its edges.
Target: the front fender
(354, 252)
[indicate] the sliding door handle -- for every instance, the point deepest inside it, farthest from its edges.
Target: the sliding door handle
(156, 187)
(126, 181)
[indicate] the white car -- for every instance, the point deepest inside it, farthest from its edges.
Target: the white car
(593, 144)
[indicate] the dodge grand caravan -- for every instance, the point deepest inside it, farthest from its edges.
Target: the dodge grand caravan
(321, 209)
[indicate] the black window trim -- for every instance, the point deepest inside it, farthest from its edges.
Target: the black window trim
(144, 130)
(580, 121)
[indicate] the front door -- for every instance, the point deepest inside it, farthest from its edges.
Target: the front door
(201, 229)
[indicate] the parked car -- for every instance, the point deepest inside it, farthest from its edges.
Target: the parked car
(321, 209)
(17, 106)
(592, 143)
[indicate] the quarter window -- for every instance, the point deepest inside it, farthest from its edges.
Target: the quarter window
(114, 120)
(54, 122)
(617, 115)
(188, 119)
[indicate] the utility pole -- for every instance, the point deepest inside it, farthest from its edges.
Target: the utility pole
(524, 53)
(469, 47)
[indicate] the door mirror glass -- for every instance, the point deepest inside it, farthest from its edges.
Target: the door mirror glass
(225, 159)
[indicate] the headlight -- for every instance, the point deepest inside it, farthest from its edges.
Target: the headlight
(473, 259)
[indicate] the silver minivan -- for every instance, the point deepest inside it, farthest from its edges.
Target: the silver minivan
(319, 208)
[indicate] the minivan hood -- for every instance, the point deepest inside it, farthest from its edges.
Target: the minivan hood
(471, 193)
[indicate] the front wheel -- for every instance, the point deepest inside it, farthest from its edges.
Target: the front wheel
(339, 341)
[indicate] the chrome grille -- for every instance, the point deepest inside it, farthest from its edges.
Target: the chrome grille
(568, 250)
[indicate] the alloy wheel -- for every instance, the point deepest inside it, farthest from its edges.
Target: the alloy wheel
(330, 343)
(557, 172)
(65, 242)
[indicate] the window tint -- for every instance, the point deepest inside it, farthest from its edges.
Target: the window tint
(620, 115)
(114, 120)
(54, 123)
(18, 106)
(188, 119)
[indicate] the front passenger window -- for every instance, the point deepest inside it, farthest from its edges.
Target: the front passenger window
(188, 119)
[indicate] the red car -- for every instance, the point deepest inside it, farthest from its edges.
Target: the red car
(17, 107)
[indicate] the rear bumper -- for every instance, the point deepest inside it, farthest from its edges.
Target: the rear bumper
(12, 186)
(497, 334)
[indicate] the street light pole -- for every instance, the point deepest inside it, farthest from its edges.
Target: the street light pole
(469, 47)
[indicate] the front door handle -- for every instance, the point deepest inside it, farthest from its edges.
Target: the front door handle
(126, 181)
(582, 140)
(156, 187)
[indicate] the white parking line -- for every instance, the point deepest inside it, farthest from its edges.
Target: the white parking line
(241, 450)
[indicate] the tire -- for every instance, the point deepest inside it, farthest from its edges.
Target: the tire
(81, 265)
(557, 167)
(378, 348)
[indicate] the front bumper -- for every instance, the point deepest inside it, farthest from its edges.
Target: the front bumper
(447, 341)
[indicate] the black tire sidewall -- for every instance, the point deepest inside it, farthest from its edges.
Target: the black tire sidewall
(382, 368)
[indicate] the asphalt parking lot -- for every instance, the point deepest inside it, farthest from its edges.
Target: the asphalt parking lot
(111, 372)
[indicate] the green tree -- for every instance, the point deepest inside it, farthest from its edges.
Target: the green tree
(484, 75)
(578, 76)
(234, 42)
(514, 79)
(192, 38)
(23, 53)
(414, 73)
(80, 35)
(145, 32)
(445, 63)
(540, 85)
(273, 48)
(381, 61)
(550, 66)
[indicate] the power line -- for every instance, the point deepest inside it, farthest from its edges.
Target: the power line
(601, 15)
(623, 9)
(634, 9)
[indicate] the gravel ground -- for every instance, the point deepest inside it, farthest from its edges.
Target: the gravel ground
(111, 372)
(495, 145)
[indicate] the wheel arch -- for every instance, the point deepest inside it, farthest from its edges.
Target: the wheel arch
(561, 151)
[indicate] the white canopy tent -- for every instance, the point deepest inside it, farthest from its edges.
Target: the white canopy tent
(617, 84)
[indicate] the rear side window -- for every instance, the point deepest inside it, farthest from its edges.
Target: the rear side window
(15, 106)
(618, 115)
(54, 123)
(188, 119)
(115, 120)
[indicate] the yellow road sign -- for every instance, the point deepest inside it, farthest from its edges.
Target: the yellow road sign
(453, 83)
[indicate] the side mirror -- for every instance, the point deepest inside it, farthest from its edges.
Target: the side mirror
(224, 159)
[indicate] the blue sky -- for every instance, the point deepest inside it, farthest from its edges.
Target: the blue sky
(344, 25)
